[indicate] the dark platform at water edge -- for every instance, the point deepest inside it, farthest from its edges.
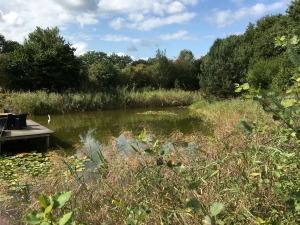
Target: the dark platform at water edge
(33, 130)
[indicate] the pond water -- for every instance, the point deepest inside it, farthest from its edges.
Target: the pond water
(89, 132)
(95, 129)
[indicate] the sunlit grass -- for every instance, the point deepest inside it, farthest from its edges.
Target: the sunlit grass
(41, 102)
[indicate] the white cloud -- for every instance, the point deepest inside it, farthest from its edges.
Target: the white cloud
(136, 17)
(13, 19)
(153, 22)
(181, 34)
(80, 48)
(118, 38)
(190, 2)
(176, 7)
(19, 18)
(159, 7)
(118, 23)
(86, 19)
(224, 18)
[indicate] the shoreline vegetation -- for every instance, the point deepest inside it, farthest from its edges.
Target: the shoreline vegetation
(43, 103)
(234, 177)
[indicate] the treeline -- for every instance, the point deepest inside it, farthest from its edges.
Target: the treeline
(46, 61)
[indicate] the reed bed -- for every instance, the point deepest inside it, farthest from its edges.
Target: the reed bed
(41, 102)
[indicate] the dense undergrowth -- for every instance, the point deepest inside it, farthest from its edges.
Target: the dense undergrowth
(41, 102)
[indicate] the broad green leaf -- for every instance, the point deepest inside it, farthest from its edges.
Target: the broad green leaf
(207, 220)
(156, 143)
(216, 208)
(276, 174)
(131, 221)
(246, 86)
(48, 209)
(194, 204)
(65, 218)
(149, 152)
(45, 200)
(277, 43)
(238, 89)
(294, 40)
(165, 152)
(288, 102)
(60, 199)
(143, 134)
(141, 217)
(31, 218)
(40, 215)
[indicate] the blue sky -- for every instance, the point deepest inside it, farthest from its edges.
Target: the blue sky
(136, 27)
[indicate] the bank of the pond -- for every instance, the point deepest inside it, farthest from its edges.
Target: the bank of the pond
(41, 102)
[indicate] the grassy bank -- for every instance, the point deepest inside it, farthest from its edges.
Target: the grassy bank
(234, 177)
(44, 103)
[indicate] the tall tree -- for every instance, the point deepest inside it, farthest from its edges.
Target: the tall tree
(187, 70)
(121, 61)
(221, 68)
(44, 61)
(293, 10)
(7, 46)
(161, 70)
(104, 74)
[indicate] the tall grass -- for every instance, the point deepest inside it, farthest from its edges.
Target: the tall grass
(41, 102)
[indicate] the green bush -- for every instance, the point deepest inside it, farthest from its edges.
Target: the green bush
(270, 73)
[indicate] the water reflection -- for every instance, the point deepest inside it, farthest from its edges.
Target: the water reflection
(94, 130)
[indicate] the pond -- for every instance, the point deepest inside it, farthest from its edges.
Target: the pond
(94, 130)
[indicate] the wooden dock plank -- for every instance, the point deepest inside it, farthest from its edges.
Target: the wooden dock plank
(33, 130)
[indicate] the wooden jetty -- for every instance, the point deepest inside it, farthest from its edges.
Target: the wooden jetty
(33, 130)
